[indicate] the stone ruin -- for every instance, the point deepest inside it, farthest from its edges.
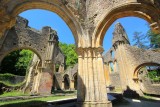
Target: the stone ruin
(88, 20)
(44, 44)
(126, 59)
(122, 64)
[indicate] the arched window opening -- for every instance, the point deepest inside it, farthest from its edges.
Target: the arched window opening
(75, 82)
(112, 54)
(66, 82)
(111, 67)
(57, 67)
(116, 66)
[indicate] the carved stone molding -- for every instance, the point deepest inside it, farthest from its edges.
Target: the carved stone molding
(90, 52)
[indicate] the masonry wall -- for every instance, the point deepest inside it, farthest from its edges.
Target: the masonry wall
(136, 57)
(21, 36)
(129, 58)
(115, 80)
(149, 88)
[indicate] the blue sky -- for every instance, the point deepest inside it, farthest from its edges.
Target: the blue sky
(39, 18)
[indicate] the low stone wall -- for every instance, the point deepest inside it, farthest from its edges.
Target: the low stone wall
(13, 79)
(149, 88)
(17, 79)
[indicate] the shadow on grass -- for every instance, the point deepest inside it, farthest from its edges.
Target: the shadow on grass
(27, 104)
(63, 92)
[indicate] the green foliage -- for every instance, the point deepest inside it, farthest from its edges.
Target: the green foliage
(154, 75)
(16, 62)
(23, 61)
(70, 54)
(154, 39)
(9, 62)
(140, 40)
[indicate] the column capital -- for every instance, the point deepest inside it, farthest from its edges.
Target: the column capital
(90, 52)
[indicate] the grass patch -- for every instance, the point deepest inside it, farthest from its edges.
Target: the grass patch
(13, 93)
(6, 80)
(64, 92)
(7, 83)
(31, 102)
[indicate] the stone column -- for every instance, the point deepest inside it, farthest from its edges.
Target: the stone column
(92, 90)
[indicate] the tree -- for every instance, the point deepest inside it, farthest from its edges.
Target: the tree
(23, 61)
(70, 54)
(9, 62)
(139, 40)
(16, 62)
(154, 39)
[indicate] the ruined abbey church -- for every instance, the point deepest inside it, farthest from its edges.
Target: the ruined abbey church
(122, 67)
(45, 45)
(123, 64)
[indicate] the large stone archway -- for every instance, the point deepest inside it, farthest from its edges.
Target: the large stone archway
(141, 9)
(145, 82)
(88, 21)
(9, 14)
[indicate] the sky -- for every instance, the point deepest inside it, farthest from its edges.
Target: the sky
(40, 18)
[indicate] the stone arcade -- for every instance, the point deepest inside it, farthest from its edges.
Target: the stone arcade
(88, 21)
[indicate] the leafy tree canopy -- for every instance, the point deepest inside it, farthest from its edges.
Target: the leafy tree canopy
(68, 50)
(154, 39)
(139, 40)
(16, 62)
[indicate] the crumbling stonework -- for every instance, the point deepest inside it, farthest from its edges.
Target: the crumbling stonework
(127, 61)
(72, 74)
(47, 53)
(88, 21)
(146, 84)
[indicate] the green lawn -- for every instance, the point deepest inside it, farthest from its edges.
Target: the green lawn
(36, 102)
(13, 93)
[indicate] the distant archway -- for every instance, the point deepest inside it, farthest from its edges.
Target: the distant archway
(75, 81)
(135, 75)
(66, 82)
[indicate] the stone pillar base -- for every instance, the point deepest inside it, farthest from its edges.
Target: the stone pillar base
(45, 83)
(94, 104)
